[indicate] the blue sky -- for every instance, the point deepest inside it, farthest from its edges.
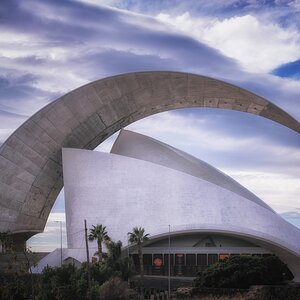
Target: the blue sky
(289, 70)
(50, 47)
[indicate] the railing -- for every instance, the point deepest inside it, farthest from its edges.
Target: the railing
(186, 271)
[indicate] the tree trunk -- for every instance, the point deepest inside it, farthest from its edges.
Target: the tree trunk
(100, 251)
(28, 266)
(140, 254)
(141, 260)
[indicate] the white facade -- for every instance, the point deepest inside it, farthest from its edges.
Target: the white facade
(146, 183)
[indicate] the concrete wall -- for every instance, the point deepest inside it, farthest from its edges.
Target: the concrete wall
(142, 147)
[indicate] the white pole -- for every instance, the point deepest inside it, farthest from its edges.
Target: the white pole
(128, 254)
(88, 260)
(61, 254)
(169, 263)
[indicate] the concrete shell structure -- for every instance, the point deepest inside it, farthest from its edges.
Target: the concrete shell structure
(147, 183)
(30, 159)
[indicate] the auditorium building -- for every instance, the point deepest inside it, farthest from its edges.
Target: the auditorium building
(191, 210)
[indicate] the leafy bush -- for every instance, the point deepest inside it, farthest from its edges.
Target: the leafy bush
(57, 283)
(114, 289)
(15, 286)
(244, 271)
(122, 266)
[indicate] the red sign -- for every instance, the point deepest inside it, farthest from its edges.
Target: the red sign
(157, 262)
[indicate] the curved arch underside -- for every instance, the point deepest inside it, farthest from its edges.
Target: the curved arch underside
(279, 248)
(30, 159)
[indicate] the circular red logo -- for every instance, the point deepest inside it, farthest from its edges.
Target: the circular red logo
(157, 262)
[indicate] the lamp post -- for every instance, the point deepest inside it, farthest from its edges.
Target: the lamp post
(61, 255)
(88, 260)
(128, 255)
(169, 263)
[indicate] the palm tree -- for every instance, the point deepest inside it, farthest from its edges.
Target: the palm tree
(138, 237)
(99, 233)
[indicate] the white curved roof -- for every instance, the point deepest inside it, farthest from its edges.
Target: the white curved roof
(153, 185)
(142, 147)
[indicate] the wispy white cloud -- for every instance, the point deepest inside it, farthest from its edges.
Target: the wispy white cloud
(199, 130)
(57, 217)
(280, 191)
(259, 47)
(10, 121)
(50, 238)
(295, 4)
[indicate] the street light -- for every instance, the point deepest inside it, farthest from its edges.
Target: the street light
(169, 263)
(128, 256)
(61, 256)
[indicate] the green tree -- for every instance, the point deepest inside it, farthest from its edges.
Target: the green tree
(29, 263)
(121, 265)
(138, 237)
(244, 271)
(114, 250)
(99, 233)
(59, 283)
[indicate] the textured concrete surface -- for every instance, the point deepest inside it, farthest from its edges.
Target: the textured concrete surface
(142, 147)
(140, 192)
(30, 159)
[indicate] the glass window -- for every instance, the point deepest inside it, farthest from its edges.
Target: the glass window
(179, 264)
(136, 261)
(202, 259)
(191, 259)
(166, 259)
(212, 258)
(147, 259)
(179, 259)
